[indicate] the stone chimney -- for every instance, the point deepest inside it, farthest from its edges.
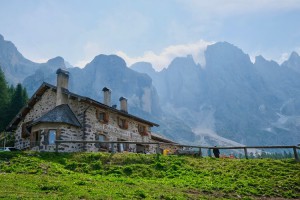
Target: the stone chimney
(106, 96)
(123, 104)
(62, 83)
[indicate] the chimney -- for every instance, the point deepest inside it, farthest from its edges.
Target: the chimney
(106, 96)
(62, 83)
(123, 104)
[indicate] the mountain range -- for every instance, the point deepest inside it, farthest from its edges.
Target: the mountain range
(229, 101)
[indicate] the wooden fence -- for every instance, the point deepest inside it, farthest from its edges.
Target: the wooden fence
(200, 148)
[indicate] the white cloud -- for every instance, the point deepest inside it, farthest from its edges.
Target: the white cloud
(90, 51)
(283, 57)
(40, 60)
(163, 59)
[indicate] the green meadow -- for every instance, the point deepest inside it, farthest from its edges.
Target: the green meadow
(31, 175)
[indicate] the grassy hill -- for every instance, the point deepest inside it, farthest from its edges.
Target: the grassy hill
(30, 175)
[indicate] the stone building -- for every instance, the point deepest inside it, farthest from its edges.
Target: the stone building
(54, 113)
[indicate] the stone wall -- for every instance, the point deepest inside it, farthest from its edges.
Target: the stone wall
(110, 129)
(92, 127)
(63, 131)
(46, 103)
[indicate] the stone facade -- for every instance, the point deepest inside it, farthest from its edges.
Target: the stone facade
(45, 104)
(54, 113)
(91, 128)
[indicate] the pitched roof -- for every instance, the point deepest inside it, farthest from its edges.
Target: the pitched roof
(59, 114)
(158, 137)
(45, 86)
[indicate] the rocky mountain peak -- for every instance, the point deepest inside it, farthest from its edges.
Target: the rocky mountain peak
(182, 63)
(107, 60)
(143, 67)
(224, 54)
(294, 55)
(57, 62)
(293, 62)
(259, 59)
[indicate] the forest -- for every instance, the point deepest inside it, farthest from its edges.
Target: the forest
(12, 99)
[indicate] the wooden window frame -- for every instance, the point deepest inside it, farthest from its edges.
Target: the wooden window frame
(35, 138)
(142, 129)
(104, 118)
(102, 146)
(25, 133)
(122, 123)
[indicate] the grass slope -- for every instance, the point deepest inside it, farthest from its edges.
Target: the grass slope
(30, 175)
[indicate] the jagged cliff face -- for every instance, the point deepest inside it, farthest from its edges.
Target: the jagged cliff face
(14, 65)
(293, 62)
(232, 98)
(112, 72)
(103, 71)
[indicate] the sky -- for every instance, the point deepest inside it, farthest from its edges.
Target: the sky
(154, 31)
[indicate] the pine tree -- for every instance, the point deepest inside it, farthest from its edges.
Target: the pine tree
(11, 101)
(18, 100)
(4, 101)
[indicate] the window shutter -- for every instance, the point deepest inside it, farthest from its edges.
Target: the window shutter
(39, 137)
(119, 122)
(97, 113)
(32, 137)
(126, 124)
(106, 117)
(25, 133)
(58, 133)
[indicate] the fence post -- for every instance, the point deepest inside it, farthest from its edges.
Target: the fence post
(246, 153)
(296, 154)
(200, 152)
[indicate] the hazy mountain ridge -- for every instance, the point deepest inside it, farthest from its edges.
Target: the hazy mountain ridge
(228, 101)
(233, 98)
(14, 65)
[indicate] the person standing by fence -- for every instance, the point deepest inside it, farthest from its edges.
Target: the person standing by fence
(216, 152)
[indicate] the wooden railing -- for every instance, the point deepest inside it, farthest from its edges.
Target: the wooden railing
(200, 148)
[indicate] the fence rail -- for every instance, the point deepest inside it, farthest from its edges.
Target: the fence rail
(209, 148)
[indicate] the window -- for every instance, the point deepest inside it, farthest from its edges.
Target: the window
(52, 137)
(102, 138)
(102, 116)
(122, 146)
(141, 128)
(123, 123)
(35, 138)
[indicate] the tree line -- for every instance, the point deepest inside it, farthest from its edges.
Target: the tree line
(12, 99)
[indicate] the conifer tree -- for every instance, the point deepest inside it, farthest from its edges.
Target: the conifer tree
(11, 101)
(18, 100)
(4, 100)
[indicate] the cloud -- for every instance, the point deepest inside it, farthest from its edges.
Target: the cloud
(39, 60)
(90, 50)
(163, 59)
(283, 57)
